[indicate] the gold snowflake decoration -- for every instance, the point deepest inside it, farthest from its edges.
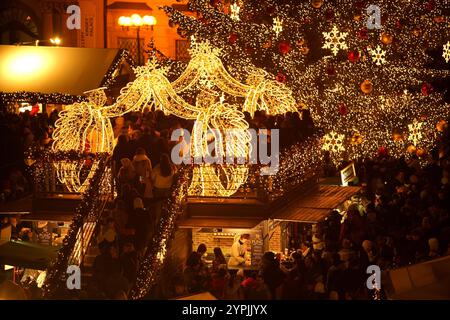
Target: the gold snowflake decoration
(202, 48)
(333, 142)
(415, 132)
(378, 55)
(446, 53)
(235, 12)
(335, 40)
(151, 66)
(277, 25)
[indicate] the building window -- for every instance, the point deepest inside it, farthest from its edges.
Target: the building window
(130, 44)
(182, 53)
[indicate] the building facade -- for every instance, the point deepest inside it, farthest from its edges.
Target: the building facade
(26, 21)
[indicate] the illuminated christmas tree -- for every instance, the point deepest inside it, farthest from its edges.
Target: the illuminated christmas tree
(365, 69)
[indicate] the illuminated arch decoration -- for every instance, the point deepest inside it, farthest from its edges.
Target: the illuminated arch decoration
(205, 76)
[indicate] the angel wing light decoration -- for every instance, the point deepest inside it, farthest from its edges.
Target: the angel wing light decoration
(206, 76)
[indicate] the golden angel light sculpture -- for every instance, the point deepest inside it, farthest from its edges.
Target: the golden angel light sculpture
(205, 76)
(82, 127)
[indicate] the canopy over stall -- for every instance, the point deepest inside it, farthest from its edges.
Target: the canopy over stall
(315, 205)
(56, 74)
(223, 222)
(26, 254)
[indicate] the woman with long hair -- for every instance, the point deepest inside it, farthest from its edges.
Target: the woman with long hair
(162, 177)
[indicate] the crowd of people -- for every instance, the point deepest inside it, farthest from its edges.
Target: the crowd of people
(144, 174)
(402, 218)
(19, 133)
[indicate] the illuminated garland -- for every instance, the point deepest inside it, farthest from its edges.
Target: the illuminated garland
(110, 75)
(60, 98)
(90, 205)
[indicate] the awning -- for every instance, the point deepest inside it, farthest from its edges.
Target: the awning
(231, 222)
(55, 70)
(27, 255)
(315, 205)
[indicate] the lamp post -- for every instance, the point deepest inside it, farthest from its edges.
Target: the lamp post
(136, 21)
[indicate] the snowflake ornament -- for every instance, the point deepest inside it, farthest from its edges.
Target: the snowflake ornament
(277, 26)
(333, 142)
(335, 40)
(378, 55)
(446, 53)
(415, 132)
(235, 12)
(151, 66)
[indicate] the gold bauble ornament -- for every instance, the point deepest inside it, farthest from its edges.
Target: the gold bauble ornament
(304, 50)
(357, 17)
(356, 139)
(417, 32)
(268, 44)
(366, 86)
(397, 137)
(411, 149)
(441, 125)
(316, 4)
(386, 38)
(421, 152)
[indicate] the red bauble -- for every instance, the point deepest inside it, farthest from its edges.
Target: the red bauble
(398, 24)
(342, 109)
(353, 56)
(363, 33)
(383, 152)
(329, 14)
(280, 77)
(284, 47)
(331, 71)
(427, 89)
(233, 38)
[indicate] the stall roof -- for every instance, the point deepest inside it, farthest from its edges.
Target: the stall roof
(231, 222)
(27, 254)
(315, 205)
(50, 70)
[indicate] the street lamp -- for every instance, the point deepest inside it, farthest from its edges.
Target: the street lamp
(136, 21)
